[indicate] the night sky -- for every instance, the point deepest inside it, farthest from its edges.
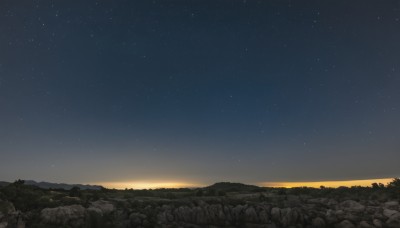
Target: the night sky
(196, 91)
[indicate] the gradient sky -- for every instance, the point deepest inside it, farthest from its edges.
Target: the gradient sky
(196, 92)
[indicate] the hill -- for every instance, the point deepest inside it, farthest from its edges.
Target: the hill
(232, 187)
(4, 183)
(48, 185)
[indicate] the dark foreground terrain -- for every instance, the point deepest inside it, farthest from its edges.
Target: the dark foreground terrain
(219, 205)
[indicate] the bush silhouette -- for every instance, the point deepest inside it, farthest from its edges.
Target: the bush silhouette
(75, 192)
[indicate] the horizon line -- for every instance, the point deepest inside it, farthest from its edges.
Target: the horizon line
(277, 184)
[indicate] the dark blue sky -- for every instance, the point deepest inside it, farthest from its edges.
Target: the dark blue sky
(199, 91)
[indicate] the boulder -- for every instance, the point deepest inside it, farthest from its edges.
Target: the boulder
(276, 214)
(165, 216)
(70, 200)
(393, 221)
(372, 209)
(199, 215)
(263, 216)
(227, 210)
(340, 215)
(332, 203)
(95, 211)
(102, 207)
(392, 205)
(377, 223)
(216, 213)
(289, 217)
(364, 224)
(352, 206)
(388, 213)
(292, 201)
(238, 213)
(345, 224)
(318, 223)
(379, 214)
(271, 225)
(183, 214)
(251, 215)
(354, 218)
(320, 201)
(137, 219)
(6, 208)
(72, 215)
(20, 223)
(330, 217)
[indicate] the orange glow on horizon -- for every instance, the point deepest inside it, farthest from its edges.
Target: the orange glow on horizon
(177, 184)
(146, 185)
(332, 184)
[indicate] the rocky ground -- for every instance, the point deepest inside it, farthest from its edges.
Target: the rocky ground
(235, 209)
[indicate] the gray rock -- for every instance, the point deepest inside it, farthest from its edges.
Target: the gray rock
(355, 218)
(217, 213)
(263, 216)
(238, 212)
(330, 217)
(183, 214)
(340, 215)
(379, 214)
(352, 206)
(393, 221)
(276, 214)
(321, 201)
(72, 215)
(6, 207)
(377, 223)
(94, 210)
(102, 207)
(292, 201)
(345, 224)
(228, 213)
(332, 203)
(392, 205)
(162, 218)
(20, 223)
(289, 217)
(318, 223)
(251, 215)
(388, 213)
(372, 209)
(364, 224)
(200, 216)
(137, 219)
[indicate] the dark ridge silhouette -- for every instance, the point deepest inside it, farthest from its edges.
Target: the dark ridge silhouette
(49, 185)
(232, 187)
(4, 183)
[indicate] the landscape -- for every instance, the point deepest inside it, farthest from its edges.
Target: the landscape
(222, 204)
(200, 113)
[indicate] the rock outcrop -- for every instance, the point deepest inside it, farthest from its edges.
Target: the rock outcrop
(73, 215)
(213, 212)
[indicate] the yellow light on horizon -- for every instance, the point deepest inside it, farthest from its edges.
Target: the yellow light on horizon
(332, 184)
(146, 185)
(177, 184)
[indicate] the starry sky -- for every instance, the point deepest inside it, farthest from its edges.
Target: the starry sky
(189, 91)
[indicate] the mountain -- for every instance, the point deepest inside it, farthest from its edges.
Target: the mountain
(4, 183)
(232, 187)
(48, 185)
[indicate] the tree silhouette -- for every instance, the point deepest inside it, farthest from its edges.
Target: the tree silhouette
(75, 192)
